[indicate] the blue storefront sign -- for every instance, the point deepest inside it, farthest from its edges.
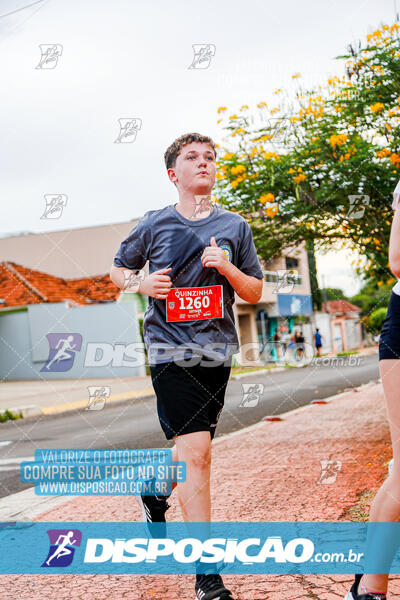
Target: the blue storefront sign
(294, 304)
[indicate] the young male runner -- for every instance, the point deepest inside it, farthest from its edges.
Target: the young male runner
(191, 244)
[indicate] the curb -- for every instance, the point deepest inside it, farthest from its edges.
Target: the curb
(267, 371)
(31, 410)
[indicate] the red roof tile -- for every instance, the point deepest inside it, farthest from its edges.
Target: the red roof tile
(20, 286)
(340, 306)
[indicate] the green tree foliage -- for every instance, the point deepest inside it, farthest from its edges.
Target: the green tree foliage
(321, 169)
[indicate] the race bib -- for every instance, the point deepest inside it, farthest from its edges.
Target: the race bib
(193, 303)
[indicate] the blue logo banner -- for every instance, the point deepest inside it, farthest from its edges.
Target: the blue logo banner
(231, 548)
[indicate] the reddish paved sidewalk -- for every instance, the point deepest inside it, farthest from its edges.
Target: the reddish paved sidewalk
(267, 473)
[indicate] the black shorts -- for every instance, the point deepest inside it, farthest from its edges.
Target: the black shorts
(190, 399)
(389, 341)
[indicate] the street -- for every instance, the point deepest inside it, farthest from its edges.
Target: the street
(134, 424)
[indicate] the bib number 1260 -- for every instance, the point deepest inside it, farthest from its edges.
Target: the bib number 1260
(189, 304)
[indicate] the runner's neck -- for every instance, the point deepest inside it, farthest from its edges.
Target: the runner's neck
(193, 218)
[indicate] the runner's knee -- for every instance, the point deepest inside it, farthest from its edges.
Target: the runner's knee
(199, 458)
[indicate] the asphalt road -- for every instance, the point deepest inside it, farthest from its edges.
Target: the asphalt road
(134, 424)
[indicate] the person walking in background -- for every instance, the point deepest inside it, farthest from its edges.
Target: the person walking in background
(318, 341)
(276, 345)
(300, 346)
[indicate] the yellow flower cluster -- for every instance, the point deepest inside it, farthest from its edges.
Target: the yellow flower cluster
(345, 157)
(309, 110)
(221, 109)
(377, 68)
(299, 178)
(238, 169)
(235, 182)
(395, 159)
(235, 170)
(271, 211)
(239, 130)
(376, 35)
(300, 175)
(383, 153)
(274, 110)
(229, 155)
(277, 92)
(268, 155)
(266, 198)
(377, 107)
(337, 139)
(296, 76)
(244, 107)
(265, 137)
(262, 105)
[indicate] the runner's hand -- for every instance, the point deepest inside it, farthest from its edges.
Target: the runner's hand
(213, 256)
(157, 284)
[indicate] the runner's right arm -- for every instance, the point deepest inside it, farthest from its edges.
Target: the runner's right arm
(156, 285)
(127, 269)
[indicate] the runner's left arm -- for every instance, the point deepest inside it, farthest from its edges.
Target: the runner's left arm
(394, 243)
(247, 287)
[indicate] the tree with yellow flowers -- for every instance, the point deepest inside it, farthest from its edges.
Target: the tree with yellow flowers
(321, 169)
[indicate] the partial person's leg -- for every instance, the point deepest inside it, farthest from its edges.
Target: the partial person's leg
(175, 458)
(386, 504)
(194, 493)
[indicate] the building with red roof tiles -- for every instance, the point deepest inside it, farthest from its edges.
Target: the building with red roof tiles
(340, 307)
(340, 326)
(21, 286)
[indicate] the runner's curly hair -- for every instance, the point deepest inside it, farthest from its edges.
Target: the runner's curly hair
(173, 151)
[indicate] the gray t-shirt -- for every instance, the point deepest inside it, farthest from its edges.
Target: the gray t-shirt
(167, 239)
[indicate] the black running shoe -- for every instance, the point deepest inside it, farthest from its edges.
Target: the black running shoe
(211, 587)
(353, 595)
(153, 512)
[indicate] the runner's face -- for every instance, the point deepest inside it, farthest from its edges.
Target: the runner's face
(195, 168)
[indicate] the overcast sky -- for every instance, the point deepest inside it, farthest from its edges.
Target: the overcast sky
(130, 59)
